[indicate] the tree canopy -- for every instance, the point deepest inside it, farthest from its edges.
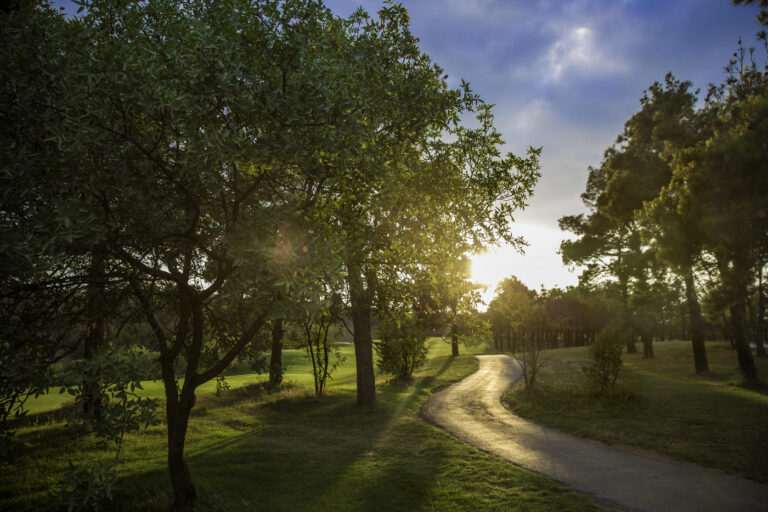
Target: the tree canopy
(205, 169)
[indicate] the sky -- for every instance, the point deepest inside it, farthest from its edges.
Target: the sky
(566, 75)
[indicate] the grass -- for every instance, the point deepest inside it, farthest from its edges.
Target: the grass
(660, 405)
(253, 448)
(298, 372)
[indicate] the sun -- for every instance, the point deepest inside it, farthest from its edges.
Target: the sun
(539, 266)
(490, 267)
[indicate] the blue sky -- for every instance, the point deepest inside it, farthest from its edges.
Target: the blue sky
(566, 75)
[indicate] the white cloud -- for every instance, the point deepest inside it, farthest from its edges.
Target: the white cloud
(579, 50)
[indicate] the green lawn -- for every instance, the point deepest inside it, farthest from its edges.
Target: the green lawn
(285, 451)
(298, 371)
(660, 405)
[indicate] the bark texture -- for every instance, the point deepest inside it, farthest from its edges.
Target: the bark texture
(700, 362)
(360, 300)
(454, 340)
(95, 335)
(276, 356)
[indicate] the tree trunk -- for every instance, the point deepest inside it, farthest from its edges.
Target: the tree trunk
(761, 327)
(360, 301)
(454, 340)
(631, 349)
(728, 331)
(276, 356)
(750, 320)
(700, 362)
(184, 489)
(95, 335)
(737, 278)
(647, 344)
(625, 317)
(746, 362)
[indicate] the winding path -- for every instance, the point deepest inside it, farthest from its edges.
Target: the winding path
(472, 411)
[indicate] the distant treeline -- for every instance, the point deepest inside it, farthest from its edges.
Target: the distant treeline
(557, 318)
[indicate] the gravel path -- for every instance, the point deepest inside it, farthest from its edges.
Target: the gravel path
(472, 411)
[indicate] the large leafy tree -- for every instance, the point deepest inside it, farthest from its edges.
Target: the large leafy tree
(45, 238)
(415, 197)
(214, 114)
(188, 144)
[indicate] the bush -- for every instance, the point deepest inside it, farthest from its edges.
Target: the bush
(605, 352)
(87, 488)
(402, 348)
(121, 370)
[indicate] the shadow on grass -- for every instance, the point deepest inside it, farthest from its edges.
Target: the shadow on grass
(311, 454)
(42, 418)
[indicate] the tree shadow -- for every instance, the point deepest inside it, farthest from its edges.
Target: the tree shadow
(311, 454)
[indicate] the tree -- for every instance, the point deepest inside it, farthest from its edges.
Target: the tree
(672, 223)
(633, 172)
(607, 247)
(517, 313)
(319, 315)
(528, 346)
(415, 195)
(225, 157)
(459, 299)
(509, 309)
(726, 175)
(184, 139)
(50, 284)
(195, 149)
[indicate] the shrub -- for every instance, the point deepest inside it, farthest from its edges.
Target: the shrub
(402, 347)
(605, 352)
(121, 370)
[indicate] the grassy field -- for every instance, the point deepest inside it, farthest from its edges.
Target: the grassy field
(285, 451)
(660, 405)
(298, 372)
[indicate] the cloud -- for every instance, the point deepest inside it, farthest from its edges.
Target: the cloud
(579, 51)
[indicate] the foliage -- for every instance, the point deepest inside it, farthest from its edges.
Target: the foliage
(679, 199)
(203, 164)
(725, 177)
(254, 354)
(553, 317)
(121, 370)
(87, 487)
(611, 239)
(403, 345)
(430, 197)
(17, 386)
(316, 325)
(605, 353)
(762, 16)
(528, 354)
(319, 349)
(222, 385)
